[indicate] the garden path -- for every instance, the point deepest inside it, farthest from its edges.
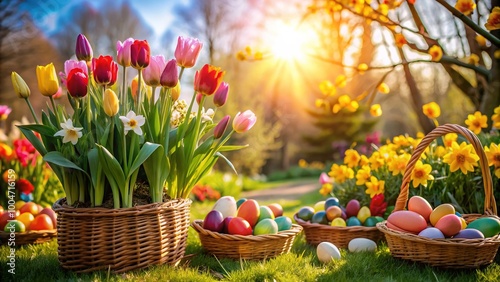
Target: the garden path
(291, 191)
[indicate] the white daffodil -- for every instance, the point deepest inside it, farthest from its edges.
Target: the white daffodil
(133, 122)
(69, 132)
(207, 116)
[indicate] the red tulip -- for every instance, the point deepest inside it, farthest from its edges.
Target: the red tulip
(105, 70)
(208, 79)
(77, 83)
(377, 205)
(140, 54)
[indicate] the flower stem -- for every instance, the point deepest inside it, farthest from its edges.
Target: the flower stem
(123, 92)
(31, 109)
(54, 107)
(139, 92)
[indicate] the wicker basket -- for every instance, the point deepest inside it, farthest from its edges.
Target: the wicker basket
(246, 247)
(28, 237)
(120, 240)
(339, 236)
(447, 253)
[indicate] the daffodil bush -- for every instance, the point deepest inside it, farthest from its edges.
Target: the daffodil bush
(116, 138)
(448, 171)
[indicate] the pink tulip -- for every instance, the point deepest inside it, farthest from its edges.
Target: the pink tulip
(170, 75)
(244, 121)
(152, 73)
(324, 178)
(83, 50)
(71, 64)
(220, 95)
(220, 128)
(4, 112)
(123, 52)
(187, 51)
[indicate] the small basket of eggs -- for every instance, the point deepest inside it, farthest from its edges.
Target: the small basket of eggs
(437, 236)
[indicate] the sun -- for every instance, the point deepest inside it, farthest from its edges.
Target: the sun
(287, 43)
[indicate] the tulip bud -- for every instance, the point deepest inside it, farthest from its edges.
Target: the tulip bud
(170, 75)
(139, 54)
(77, 83)
(20, 87)
(220, 128)
(83, 49)
(324, 178)
(123, 52)
(175, 92)
(220, 95)
(48, 83)
(244, 121)
(187, 51)
(110, 103)
(198, 98)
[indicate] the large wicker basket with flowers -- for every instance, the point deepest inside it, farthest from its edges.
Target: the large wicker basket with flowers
(339, 236)
(251, 247)
(447, 253)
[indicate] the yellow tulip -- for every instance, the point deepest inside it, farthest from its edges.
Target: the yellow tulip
(110, 102)
(20, 87)
(176, 91)
(47, 79)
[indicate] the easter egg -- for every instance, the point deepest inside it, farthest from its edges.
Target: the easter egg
(214, 221)
(333, 212)
(226, 205)
(339, 222)
(319, 217)
(420, 206)
(327, 252)
(363, 214)
(353, 221)
(305, 213)
(276, 208)
(431, 233)
(332, 201)
(408, 221)
(239, 202)
(469, 233)
(265, 212)
(284, 223)
(361, 245)
(394, 227)
(239, 226)
(439, 212)
(250, 211)
(352, 208)
(464, 223)
(265, 226)
(371, 221)
(319, 206)
(489, 226)
(226, 224)
(449, 224)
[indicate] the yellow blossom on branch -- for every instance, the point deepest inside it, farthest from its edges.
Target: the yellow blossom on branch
(476, 122)
(421, 174)
(374, 187)
(400, 40)
(436, 53)
(496, 54)
(431, 110)
(383, 88)
(362, 68)
(461, 157)
(481, 40)
(375, 110)
(465, 6)
(493, 21)
(341, 81)
(473, 59)
(327, 88)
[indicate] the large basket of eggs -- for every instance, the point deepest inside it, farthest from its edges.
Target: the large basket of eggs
(245, 230)
(438, 236)
(337, 225)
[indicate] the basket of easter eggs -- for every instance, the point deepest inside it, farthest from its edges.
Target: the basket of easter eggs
(437, 236)
(245, 230)
(337, 225)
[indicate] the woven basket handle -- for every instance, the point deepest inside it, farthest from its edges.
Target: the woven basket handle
(489, 199)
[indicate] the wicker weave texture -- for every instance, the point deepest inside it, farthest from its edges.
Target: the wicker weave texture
(447, 253)
(339, 236)
(246, 247)
(93, 239)
(29, 237)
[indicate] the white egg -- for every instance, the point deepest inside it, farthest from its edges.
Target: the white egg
(227, 206)
(327, 251)
(362, 245)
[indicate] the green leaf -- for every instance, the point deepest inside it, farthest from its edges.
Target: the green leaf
(227, 161)
(33, 140)
(232, 148)
(94, 164)
(112, 167)
(146, 151)
(40, 128)
(205, 146)
(57, 158)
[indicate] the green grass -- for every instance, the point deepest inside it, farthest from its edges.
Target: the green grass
(39, 263)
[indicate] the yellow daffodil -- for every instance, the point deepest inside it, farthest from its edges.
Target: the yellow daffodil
(421, 174)
(449, 139)
(495, 118)
(376, 161)
(476, 122)
(69, 132)
(493, 21)
(374, 187)
(364, 161)
(133, 122)
(326, 189)
(431, 110)
(341, 173)
(375, 110)
(397, 164)
(363, 175)
(461, 157)
(436, 53)
(351, 158)
(465, 6)
(493, 155)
